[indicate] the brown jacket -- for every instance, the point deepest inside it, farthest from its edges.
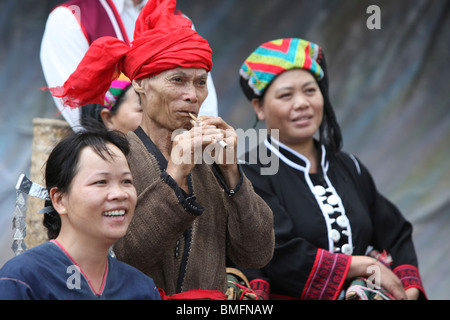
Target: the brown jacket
(183, 243)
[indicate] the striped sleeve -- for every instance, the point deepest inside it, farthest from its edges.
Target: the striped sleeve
(327, 276)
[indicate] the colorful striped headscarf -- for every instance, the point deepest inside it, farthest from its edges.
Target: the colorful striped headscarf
(115, 90)
(274, 57)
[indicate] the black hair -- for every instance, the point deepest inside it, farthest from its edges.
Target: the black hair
(91, 111)
(62, 162)
(330, 131)
(94, 110)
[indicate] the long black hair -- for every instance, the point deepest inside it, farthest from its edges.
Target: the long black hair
(62, 162)
(330, 131)
(94, 110)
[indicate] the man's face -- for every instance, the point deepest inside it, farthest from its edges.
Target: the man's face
(171, 95)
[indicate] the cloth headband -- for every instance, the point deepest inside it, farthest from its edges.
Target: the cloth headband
(115, 90)
(163, 40)
(274, 57)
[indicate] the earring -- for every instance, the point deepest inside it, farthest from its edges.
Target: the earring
(63, 210)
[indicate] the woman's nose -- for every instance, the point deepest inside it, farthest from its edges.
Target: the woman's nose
(301, 102)
(117, 193)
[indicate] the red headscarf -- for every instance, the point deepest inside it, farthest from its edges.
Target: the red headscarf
(162, 41)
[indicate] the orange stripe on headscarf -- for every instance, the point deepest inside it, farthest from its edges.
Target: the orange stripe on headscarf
(162, 41)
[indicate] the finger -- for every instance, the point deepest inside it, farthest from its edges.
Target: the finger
(205, 138)
(393, 284)
(194, 123)
(212, 138)
(398, 293)
(208, 130)
(209, 133)
(214, 121)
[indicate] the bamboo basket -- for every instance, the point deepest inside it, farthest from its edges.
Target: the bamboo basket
(46, 134)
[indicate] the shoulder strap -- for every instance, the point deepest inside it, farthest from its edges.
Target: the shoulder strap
(98, 18)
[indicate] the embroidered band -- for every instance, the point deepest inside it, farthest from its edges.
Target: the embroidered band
(115, 90)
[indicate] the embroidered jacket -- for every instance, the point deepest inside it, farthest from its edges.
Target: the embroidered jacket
(322, 219)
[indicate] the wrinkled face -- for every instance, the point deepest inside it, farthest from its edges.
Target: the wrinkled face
(293, 104)
(129, 115)
(172, 94)
(101, 199)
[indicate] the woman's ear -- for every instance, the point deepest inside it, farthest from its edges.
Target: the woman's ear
(107, 118)
(58, 200)
(257, 106)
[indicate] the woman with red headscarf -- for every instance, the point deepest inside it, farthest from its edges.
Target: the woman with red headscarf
(195, 206)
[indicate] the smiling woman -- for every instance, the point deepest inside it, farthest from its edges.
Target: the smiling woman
(100, 199)
(293, 102)
(92, 201)
(327, 212)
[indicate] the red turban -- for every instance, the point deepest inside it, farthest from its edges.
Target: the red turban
(163, 40)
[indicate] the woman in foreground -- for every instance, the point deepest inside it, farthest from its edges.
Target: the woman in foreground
(91, 202)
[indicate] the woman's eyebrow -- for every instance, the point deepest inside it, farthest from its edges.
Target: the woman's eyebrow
(308, 83)
(288, 87)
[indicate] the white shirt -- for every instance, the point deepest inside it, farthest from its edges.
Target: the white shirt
(64, 45)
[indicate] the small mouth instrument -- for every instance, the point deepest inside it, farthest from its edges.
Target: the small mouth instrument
(222, 143)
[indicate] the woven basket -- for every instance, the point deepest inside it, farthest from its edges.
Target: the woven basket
(46, 134)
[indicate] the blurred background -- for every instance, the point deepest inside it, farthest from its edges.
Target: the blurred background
(390, 88)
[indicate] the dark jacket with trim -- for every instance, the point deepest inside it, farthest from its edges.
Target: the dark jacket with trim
(182, 241)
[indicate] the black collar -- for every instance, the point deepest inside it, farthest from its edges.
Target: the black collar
(152, 148)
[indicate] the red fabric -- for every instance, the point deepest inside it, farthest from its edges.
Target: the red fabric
(327, 276)
(162, 41)
(261, 288)
(410, 277)
(198, 294)
(93, 76)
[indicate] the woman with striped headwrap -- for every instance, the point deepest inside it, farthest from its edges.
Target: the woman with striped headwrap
(121, 109)
(327, 211)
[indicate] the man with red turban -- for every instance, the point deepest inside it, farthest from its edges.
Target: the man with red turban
(195, 206)
(74, 25)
